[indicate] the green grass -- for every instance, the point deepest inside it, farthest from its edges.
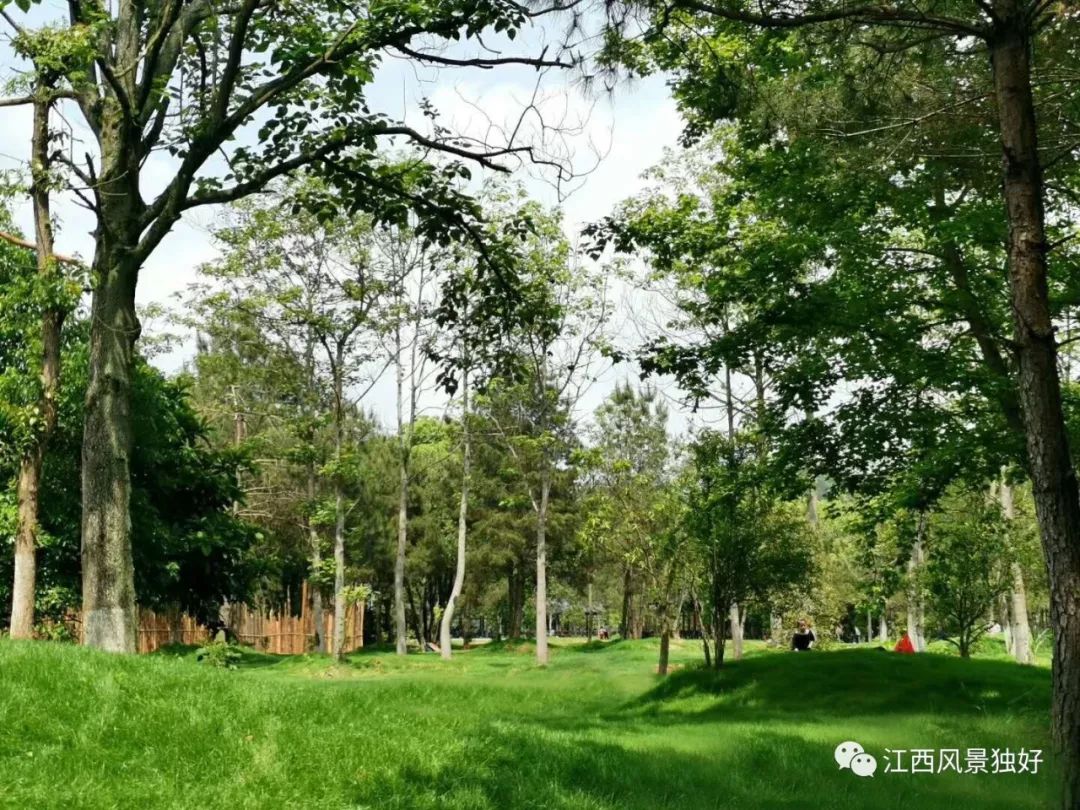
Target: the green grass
(596, 729)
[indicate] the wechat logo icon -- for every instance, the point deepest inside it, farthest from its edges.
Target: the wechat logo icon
(851, 755)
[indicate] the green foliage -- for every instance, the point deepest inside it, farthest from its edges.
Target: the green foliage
(219, 654)
(752, 545)
(969, 564)
(189, 550)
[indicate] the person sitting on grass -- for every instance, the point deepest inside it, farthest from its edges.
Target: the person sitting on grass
(804, 637)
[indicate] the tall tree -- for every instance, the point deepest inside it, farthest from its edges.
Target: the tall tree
(314, 283)
(1009, 35)
(556, 348)
(193, 79)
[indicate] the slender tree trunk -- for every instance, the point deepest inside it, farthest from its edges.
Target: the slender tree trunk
(1057, 498)
(541, 567)
(916, 604)
(719, 640)
(400, 626)
(339, 510)
(316, 562)
(1006, 622)
(462, 528)
(30, 465)
(883, 627)
(1020, 627)
(776, 628)
(627, 602)
(735, 618)
(665, 642)
(516, 596)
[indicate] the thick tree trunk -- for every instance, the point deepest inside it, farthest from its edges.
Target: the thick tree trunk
(883, 627)
(462, 528)
(541, 568)
(30, 466)
(1057, 499)
(108, 579)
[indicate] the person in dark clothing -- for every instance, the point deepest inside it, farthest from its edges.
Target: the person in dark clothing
(804, 637)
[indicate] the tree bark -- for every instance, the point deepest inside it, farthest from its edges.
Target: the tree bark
(463, 514)
(916, 604)
(339, 508)
(735, 618)
(516, 597)
(883, 627)
(30, 465)
(401, 640)
(316, 563)
(1057, 499)
(1019, 625)
(108, 579)
(541, 567)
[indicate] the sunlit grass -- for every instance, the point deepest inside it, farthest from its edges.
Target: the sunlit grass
(595, 729)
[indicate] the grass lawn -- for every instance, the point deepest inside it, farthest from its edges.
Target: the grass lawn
(596, 729)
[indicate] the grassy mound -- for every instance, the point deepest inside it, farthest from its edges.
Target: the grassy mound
(489, 730)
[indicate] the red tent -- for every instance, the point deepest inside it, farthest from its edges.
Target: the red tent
(904, 645)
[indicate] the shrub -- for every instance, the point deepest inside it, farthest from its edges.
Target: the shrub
(219, 654)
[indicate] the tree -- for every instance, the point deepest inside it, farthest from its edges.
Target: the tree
(192, 552)
(970, 567)
(1006, 31)
(315, 284)
(555, 348)
(191, 79)
(750, 544)
(628, 473)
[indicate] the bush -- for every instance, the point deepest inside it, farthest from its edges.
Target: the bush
(219, 654)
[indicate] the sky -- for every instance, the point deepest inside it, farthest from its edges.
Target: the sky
(611, 139)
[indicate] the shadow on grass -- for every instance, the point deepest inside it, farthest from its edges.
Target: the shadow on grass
(871, 682)
(531, 766)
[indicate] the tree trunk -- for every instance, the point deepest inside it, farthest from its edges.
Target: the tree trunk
(735, 618)
(462, 528)
(108, 579)
(718, 639)
(316, 561)
(1005, 620)
(776, 628)
(883, 627)
(339, 518)
(1020, 627)
(1057, 499)
(516, 597)
(400, 627)
(30, 465)
(665, 646)
(916, 604)
(627, 602)
(541, 567)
